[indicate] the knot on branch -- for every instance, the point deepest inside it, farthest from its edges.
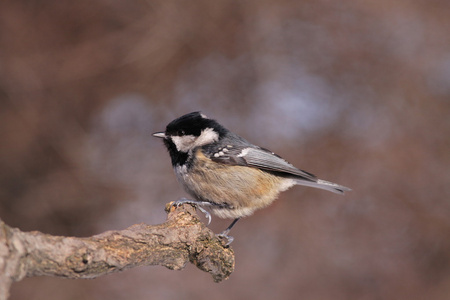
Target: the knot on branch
(205, 250)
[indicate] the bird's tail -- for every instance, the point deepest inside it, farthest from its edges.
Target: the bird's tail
(325, 185)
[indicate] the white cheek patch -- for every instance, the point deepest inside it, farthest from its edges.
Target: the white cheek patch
(183, 143)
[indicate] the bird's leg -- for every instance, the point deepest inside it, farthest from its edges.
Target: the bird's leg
(197, 204)
(225, 235)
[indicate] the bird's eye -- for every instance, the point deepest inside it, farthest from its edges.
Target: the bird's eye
(180, 132)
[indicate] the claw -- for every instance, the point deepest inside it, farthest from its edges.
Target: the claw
(224, 235)
(207, 214)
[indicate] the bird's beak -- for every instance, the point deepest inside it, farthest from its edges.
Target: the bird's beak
(160, 135)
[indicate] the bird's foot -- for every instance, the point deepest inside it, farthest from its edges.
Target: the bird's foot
(197, 204)
(224, 235)
(227, 238)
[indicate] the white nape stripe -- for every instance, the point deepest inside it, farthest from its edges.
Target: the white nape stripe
(207, 136)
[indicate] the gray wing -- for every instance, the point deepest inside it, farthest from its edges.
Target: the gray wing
(259, 158)
(253, 156)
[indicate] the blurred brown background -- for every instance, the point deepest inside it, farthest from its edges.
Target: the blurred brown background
(357, 92)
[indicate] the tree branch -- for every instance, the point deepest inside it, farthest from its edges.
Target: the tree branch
(181, 239)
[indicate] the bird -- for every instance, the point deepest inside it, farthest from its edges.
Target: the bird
(226, 174)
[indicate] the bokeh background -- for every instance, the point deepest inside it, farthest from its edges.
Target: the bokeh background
(356, 92)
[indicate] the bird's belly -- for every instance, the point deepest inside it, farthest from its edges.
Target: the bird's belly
(234, 191)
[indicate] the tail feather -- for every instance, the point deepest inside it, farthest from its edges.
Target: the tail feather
(325, 185)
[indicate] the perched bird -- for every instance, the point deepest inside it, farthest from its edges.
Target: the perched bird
(225, 173)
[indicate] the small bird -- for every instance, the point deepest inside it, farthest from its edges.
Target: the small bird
(225, 173)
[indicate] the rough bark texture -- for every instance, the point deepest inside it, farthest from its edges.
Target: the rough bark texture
(181, 239)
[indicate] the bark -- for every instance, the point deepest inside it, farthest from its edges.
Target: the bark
(181, 239)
